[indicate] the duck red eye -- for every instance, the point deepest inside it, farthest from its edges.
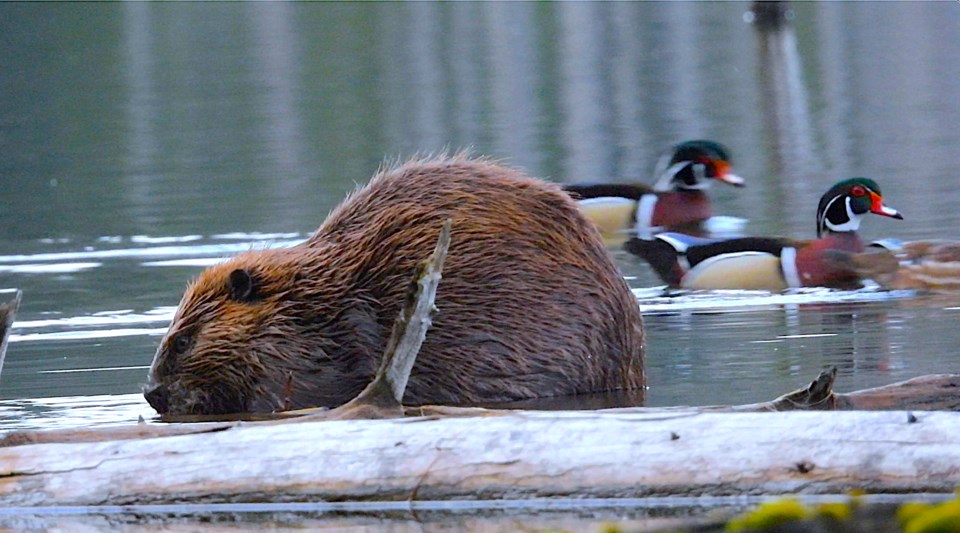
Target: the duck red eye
(708, 164)
(858, 191)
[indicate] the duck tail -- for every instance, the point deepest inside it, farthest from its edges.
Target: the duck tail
(586, 191)
(661, 255)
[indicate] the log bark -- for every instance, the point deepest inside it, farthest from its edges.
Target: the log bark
(518, 455)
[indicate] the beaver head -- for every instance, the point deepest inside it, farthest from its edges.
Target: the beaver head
(244, 330)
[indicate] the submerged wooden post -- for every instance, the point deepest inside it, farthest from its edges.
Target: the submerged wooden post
(8, 312)
(771, 14)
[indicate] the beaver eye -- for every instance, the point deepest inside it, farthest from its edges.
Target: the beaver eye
(181, 343)
(858, 191)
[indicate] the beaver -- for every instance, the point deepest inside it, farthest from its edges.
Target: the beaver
(531, 304)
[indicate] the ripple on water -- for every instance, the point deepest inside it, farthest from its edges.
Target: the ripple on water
(73, 411)
(174, 246)
(99, 325)
(659, 300)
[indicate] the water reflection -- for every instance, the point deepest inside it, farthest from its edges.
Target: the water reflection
(502, 515)
(700, 513)
(786, 117)
(860, 337)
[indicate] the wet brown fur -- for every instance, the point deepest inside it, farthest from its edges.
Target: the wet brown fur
(531, 304)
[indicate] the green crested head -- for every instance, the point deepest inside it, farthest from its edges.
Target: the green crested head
(842, 206)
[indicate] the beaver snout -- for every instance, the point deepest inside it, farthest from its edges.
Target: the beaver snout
(158, 397)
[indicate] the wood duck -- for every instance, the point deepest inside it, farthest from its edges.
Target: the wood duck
(930, 265)
(677, 200)
(771, 263)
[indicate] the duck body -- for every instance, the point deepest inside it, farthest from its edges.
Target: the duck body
(771, 263)
(928, 265)
(677, 201)
(748, 263)
(621, 210)
(814, 269)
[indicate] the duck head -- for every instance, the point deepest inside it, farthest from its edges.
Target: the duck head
(842, 207)
(691, 166)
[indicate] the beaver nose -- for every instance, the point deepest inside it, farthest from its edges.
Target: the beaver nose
(158, 398)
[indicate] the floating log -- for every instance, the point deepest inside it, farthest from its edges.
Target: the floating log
(517, 455)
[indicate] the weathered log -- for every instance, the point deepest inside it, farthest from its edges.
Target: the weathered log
(519, 455)
(8, 312)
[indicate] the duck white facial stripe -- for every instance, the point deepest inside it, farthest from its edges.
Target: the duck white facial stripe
(853, 219)
(788, 264)
(822, 222)
(665, 183)
(645, 211)
(661, 169)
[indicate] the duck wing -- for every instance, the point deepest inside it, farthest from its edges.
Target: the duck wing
(586, 191)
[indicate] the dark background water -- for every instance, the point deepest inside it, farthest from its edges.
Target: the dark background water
(140, 140)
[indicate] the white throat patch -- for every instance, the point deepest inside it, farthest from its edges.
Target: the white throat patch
(853, 219)
(665, 182)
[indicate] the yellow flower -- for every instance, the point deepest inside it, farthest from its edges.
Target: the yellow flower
(770, 515)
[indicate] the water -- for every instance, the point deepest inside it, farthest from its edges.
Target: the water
(553, 514)
(142, 142)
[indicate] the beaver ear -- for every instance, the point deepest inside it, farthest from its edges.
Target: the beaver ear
(243, 287)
